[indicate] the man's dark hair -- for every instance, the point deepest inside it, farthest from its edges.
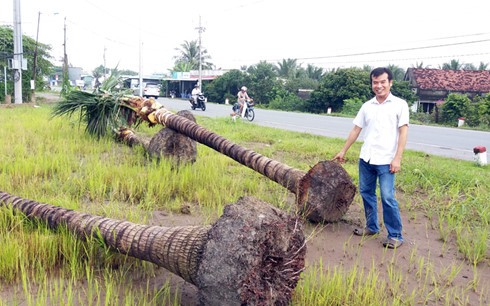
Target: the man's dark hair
(379, 71)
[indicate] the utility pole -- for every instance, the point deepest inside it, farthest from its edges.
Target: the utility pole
(140, 81)
(18, 54)
(66, 80)
(5, 82)
(200, 30)
(140, 59)
(34, 62)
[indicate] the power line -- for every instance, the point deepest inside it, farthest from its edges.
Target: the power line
(401, 59)
(394, 50)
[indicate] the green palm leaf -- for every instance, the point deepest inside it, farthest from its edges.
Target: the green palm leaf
(102, 110)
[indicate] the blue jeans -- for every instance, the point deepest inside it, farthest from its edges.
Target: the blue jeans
(368, 175)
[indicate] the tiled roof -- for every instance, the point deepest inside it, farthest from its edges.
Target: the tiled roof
(451, 80)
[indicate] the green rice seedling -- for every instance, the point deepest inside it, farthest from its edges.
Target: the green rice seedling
(89, 292)
(472, 242)
(336, 287)
(110, 291)
(164, 296)
(349, 248)
(10, 263)
(483, 211)
(446, 226)
(420, 268)
(26, 284)
(412, 260)
(473, 284)
(395, 279)
(450, 273)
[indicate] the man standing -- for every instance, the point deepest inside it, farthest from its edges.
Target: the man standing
(385, 120)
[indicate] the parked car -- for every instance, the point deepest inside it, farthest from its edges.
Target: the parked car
(149, 90)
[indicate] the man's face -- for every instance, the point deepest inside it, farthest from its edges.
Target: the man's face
(381, 86)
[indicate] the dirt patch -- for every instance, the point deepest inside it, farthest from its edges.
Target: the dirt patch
(335, 246)
(47, 97)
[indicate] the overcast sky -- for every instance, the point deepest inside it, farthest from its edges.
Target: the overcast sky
(327, 34)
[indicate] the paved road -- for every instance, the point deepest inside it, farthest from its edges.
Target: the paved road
(448, 142)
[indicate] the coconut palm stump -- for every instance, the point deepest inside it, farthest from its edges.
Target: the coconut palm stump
(253, 255)
(165, 143)
(323, 194)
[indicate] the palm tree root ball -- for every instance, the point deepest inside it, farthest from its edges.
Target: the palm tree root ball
(166, 143)
(253, 255)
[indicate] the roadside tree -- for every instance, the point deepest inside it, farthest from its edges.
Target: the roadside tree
(43, 63)
(263, 82)
(337, 86)
(227, 86)
(454, 107)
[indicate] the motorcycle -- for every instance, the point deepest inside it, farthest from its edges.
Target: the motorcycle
(199, 103)
(248, 111)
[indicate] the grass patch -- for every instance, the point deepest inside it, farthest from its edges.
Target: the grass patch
(54, 161)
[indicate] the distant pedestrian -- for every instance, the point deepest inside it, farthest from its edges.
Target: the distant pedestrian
(385, 119)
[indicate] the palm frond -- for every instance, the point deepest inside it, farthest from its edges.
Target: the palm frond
(102, 110)
(97, 111)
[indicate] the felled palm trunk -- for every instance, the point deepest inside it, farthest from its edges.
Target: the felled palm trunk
(253, 255)
(323, 194)
(132, 139)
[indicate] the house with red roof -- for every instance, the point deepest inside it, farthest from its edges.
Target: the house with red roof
(433, 85)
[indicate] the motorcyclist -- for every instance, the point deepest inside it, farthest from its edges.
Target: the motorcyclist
(195, 92)
(242, 99)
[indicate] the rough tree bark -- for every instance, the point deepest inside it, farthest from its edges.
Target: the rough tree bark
(323, 194)
(132, 139)
(253, 255)
(166, 143)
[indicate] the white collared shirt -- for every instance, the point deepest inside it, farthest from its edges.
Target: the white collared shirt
(380, 122)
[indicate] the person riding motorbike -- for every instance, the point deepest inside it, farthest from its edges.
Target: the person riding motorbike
(195, 92)
(242, 99)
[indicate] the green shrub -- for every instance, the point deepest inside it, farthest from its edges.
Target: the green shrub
(351, 106)
(289, 102)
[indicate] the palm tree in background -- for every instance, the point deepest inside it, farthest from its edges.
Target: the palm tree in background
(469, 67)
(183, 67)
(314, 72)
(367, 68)
(189, 54)
(483, 66)
(398, 72)
(420, 65)
(97, 73)
(287, 68)
(454, 64)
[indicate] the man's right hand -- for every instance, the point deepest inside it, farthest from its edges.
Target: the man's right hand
(339, 157)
